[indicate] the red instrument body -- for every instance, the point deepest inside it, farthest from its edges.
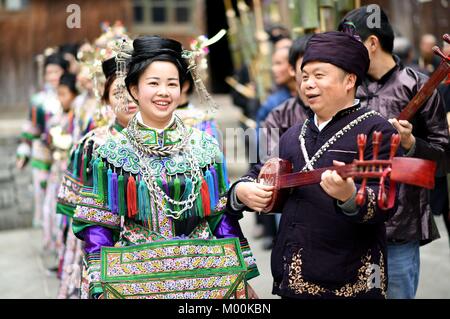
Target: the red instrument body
(413, 171)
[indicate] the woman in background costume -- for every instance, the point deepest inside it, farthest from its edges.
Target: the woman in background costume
(34, 146)
(76, 176)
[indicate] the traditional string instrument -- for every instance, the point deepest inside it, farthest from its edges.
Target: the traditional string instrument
(427, 90)
(413, 171)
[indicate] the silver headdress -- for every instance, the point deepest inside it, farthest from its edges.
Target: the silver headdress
(199, 51)
(123, 49)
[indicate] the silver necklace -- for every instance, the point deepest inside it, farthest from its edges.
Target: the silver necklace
(144, 151)
(134, 135)
(310, 162)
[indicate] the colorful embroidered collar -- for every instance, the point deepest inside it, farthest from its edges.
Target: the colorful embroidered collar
(168, 136)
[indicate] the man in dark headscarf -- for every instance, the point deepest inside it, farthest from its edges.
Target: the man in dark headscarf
(387, 89)
(327, 245)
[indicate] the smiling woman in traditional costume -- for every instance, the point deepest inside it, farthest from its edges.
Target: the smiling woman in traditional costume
(161, 185)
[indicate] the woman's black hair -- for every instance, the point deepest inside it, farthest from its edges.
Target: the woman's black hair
(109, 70)
(58, 59)
(190, 80)
(71, 48)
(278, 32)
(69, 80)
(109, 67)
(148, 49)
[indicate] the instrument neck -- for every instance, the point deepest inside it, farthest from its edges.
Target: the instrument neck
(425, 92)
(313, 177)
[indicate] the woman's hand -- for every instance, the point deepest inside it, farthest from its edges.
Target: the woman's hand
(254, 195)
(337, 187)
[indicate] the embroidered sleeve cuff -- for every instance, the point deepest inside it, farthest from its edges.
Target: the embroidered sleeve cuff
(234, 203)
(349, 207)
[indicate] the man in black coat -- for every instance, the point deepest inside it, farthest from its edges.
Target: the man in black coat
(387, 89)
(327, 245)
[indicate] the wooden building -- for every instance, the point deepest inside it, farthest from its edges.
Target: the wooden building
(28, 27)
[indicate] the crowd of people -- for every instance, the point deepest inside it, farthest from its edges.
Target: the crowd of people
(122, 158)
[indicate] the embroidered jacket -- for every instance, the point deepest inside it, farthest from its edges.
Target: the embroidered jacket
(120, 191)
(76, 174)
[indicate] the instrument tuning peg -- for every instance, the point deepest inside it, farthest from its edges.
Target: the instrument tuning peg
(362, 140)
(446, 38)
(439, 52)
(360, 198)
(376, 141)
(395, 143)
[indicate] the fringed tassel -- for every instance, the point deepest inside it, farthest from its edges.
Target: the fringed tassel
(144, 201)
(214, 131)
(109, 185)
(140, 200)
(95, 175)
(199, 200)
(75, 162)
(210, 182)
(225, 173)
(114, 193)
(131, 197)
(147, 204)
(216, 184)
(177, 191)
(83, 175)
(166, 188)
(187, 190)
(81, 168)
(160, 184)
(101, 184)
(221, 180)
(206, 203)
(105, 183)
(121, 199)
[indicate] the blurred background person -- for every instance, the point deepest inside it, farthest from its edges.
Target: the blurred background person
(427, 60)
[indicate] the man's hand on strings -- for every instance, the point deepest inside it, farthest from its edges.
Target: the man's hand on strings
(337, 187)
